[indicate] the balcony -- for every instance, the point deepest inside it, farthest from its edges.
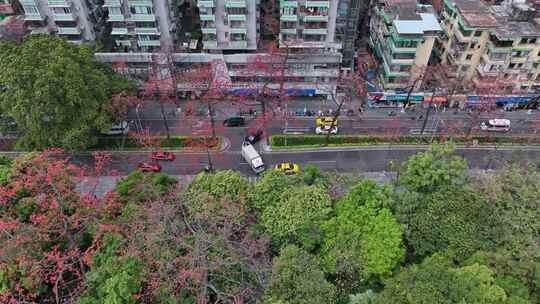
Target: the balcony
(147, 31)
(112, 3)
(482, 71)
(325, 4)
(238, 44)
(315, 18)
(235, 3)
(208, 18)
(209, 44)
(462, 38)
(238, 31)
(319, 31)
(494, 57)
(284, 3)
(518, 59)
(58, 3)
(209, 30)
(141, 3)
(498, 48)
(237, 17)
(64, 17)
(33, 17)
(290, 18)
(119, 31)
(394, 72)
(143, 18)
(206, 3)
(69, 31)
(147, 43)
(395, 49)
(288, 31)
(116, 18)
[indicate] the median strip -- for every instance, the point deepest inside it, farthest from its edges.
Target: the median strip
(288, 142)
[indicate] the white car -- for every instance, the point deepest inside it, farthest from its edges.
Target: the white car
(496, 125)
(118, 129)
(326, 130)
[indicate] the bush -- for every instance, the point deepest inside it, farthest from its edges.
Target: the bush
(115, 142)
(320, 140)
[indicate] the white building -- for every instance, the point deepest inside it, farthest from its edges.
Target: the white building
(140, 24)
(229, 24)
(66, 18)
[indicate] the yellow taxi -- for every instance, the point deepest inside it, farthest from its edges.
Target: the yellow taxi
(325, 121)
(288, 168)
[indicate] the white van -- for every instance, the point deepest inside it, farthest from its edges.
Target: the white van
(118, 129)
(496, 125)
(252, 157)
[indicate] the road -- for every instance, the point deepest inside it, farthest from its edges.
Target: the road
(365, 159)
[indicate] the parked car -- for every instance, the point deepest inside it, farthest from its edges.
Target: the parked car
(149, 167)
(118, 129)
(496, 125)
(288, 168)
(161, 155)
(234, 122)
(254, 137)
(326, 130)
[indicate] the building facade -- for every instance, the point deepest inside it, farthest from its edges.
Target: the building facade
(492, 43)
(403, 36)
(229, 24)
(65, 18)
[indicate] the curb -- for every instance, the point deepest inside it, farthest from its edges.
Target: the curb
(268, 148)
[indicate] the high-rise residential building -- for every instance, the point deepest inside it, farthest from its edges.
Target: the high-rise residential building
(65, 18)
(139, 25)
(492, 43)
(308, 24)
(403, 34)
(348, 17)
(229, 24)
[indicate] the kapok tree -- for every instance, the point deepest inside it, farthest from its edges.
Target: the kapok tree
(46, 230)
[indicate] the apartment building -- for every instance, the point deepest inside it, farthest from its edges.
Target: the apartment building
(402, 36)
(140, 25)
(65, 18)
(492, 43)
(229, 24)
(348, 17)
(308, 24)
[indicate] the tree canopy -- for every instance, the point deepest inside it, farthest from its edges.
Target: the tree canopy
(56, 92)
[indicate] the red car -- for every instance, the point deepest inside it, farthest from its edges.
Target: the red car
(160, 155)
(149, 167)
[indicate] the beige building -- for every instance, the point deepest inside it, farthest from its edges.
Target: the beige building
(495, 46)
(402, 36)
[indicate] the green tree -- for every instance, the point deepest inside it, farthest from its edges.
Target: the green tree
(267, 191)
(437, 281)
(138, 186)
(363, 239)
(297, 215)
(56, 92)
(5, 169)
(298, 279)
(456, 219)
(514, 192)
(312, 174)
(429, 171)
(112, 279)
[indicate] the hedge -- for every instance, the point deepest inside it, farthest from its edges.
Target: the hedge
(353, 140)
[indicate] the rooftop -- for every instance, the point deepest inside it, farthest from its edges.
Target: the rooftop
(475, 13)
(417, 24)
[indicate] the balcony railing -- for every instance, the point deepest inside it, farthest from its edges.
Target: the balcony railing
(235, 3)
(58, 3)
(33, 17)
(315, 18)
(290, 18)
(285, 3)
(318, 31)
(209, 30)
(209, 44)
(289, 31)
(64, 17)
(238, 30)
(146, 31)
(238, 44)
(140, 3)
(112, 3)
(69, 31)
(206, 3)
(116, 18)
(143, 17)
(208, 18)
(143, 43)
(119, 31)
(318, 4)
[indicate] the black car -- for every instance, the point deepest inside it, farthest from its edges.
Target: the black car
(254, 137)
(234, 122)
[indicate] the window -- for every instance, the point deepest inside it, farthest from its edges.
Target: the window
(61, 10)
(468, 57)
(145, 10)
(477, 33)
(114, 11)
(30, 9)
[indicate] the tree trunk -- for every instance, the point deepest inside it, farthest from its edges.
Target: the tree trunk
(165, 122)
